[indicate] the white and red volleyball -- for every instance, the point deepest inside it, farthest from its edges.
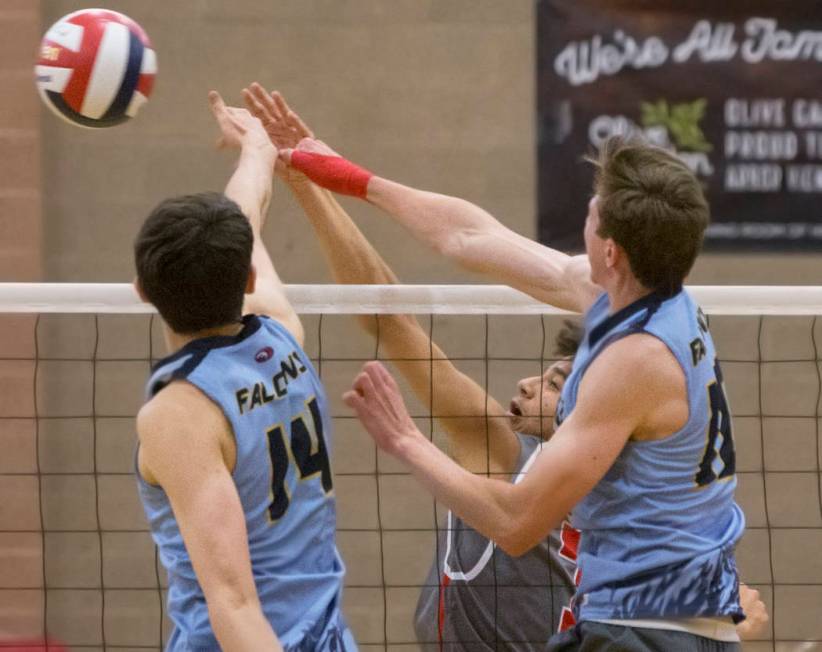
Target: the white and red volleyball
(95, 68)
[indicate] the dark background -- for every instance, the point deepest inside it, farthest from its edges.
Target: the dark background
(564, 111)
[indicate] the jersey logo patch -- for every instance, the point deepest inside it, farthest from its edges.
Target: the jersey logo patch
(264, 355)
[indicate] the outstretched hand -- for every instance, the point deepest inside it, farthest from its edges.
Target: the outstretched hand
(290, 135)
(238, 128)
(284, 127)
(376, 399)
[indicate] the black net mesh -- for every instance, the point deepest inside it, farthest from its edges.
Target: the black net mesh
(77, 564)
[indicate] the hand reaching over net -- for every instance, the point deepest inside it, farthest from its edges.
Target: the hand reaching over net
(284, 127)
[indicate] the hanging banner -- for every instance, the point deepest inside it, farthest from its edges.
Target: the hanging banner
(734, 88)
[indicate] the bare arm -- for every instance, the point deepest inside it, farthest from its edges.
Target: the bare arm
(477, 241)
(460, 404)
(458, 229)
(250, 187)
(474, 421)
(180, 435)
(569, 466)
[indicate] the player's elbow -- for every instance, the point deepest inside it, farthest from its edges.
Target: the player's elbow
(228, 592)
(522, 533)
(513, 548)
(512, 536)
(460, 246)
(516, 542)
(453, 238)
(227, 603)
(450, 245)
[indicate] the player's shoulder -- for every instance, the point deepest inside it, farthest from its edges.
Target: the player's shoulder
(179, 427)
(634, 375)
(641, 357)
(641, 349)
(179, 407)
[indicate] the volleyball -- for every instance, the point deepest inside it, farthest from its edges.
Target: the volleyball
(95, 68)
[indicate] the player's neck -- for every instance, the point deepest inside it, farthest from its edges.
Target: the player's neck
(176, 341)
(625, 291)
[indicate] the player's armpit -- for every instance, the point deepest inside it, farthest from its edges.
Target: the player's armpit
(182, 444)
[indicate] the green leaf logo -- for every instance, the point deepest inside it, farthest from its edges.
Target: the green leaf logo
(681, 120)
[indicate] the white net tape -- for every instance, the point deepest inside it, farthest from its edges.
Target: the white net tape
(120, 298)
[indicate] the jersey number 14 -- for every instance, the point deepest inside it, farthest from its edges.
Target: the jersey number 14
(308, 451)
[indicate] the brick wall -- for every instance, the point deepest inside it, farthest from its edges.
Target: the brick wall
(20, 170)
(21, 563)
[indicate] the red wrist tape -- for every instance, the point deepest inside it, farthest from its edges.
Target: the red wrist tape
(333, 172)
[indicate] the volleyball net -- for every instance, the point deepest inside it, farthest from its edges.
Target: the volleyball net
(77, 564)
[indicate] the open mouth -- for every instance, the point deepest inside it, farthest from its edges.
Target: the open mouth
(514, 409)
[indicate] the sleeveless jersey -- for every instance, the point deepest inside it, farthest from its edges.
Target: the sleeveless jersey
(659, 529)
(271, 395)
(476, 598)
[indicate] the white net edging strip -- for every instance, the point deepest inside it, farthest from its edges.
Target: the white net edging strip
(121, 298)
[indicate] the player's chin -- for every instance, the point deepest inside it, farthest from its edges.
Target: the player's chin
(523, 424)
(526, 425)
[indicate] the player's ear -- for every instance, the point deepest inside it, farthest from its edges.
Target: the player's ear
(611, 253)
(139, 289)
(251, 282)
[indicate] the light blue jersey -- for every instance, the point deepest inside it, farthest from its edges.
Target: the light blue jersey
(659, 530)
(272, 397)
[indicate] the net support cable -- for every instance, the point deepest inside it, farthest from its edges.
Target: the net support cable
(121, 298)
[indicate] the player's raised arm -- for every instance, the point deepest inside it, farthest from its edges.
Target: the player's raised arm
(478, 432)
(250, 187)
(180, 423)
(517, 516)
(460, 404)
(457, 229)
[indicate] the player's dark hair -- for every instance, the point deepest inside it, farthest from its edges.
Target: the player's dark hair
(193, 257)
(568, 339)
(651, 205)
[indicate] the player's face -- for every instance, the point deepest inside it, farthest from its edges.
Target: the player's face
(538, 397)
(594, 244)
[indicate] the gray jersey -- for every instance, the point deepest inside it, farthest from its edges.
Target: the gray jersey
(477, 598)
